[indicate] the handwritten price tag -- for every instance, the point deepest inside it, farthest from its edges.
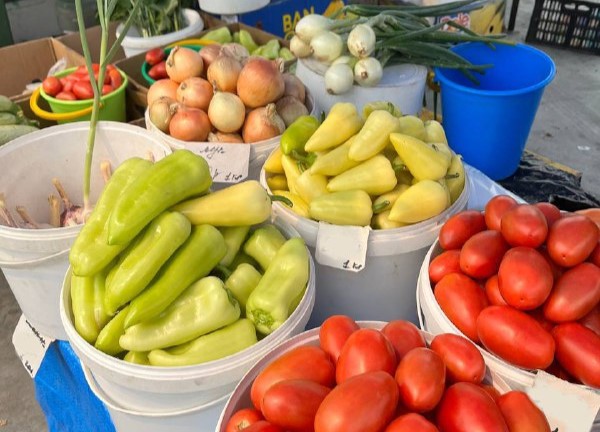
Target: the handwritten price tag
(228, 162)
(342, 247)
(30, 345)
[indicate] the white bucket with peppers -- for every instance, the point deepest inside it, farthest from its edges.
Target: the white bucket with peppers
(34, 261)
(179, 398)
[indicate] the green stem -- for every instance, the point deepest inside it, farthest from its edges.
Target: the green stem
(282, 199)
(377, 208)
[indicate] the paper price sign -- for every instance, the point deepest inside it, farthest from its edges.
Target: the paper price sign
(342, 247)
(30, 345)
(228, 162)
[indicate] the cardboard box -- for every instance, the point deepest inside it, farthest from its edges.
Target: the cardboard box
(28, 62)
(93, 35)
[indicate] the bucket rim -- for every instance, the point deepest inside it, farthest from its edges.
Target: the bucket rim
(439, 73)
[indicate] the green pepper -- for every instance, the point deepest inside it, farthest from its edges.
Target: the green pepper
(263, 244)
(220, 343)
(200, 253)
(245, 203)
(286, 54)
(241, 282)
(374, 136)
(375, 176)
(297, 134)
(101, 313)
(178, 176)
(108, 339)
(353, 207)
(234, 239)
(83, 306)
(240, 258)
(275, 297)
(270, 50)
(91, 252)
(246, 40)
(236, 37)
(221, 35)
(137, 357)
(144, 257)
(335, 161)
(204, 306)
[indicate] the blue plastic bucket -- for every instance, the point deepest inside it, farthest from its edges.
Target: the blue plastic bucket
(488, 123)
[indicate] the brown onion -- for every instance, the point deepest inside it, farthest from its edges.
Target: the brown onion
(289, 109)
(160, 113)
(184, 63)
(223, 73)
(189, 124)
(294, 87)
(195, 92)
(163, 87)
(226, 112)
(260, 82)
(235, 50)
(225, 137)
(262, 123)
(209, 53)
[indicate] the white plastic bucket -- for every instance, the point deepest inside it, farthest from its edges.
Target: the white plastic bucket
(259, 151)
(432, 319)
(385, 288)
(197, 419)
(134, 44)
(165, 390)
(403, 85)
(34, 261)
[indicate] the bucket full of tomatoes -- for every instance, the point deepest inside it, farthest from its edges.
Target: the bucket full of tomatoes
(70, 95)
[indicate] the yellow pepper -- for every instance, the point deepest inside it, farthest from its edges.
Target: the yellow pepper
(455, 178)
(413, 126)
(278, 181)
(273, 163)
(351, 207)
(419, 202)
(403, 175)
(310, 185)
(335, 161)
(374, 176)
(342, 122)
(292, 172)
(371, 107)
(299, 206)
(374, 136)
(424, 161)
(434, 133)
(379, 204)
(383, 221)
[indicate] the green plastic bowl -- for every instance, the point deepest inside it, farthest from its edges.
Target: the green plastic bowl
(146, 67)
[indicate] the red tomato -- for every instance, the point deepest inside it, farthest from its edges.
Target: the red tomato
(115, 78)
(481, 255)
(572, 239)
(495, 209)
(243, 418)
(575, 294)
(83, 90)
(404, 336)
(491, 390)
(592, 213)
(595, 255)
(551, 212)
(557, 270)
(521, 414)
(421, 378)
(155, 56)
(106, 89)
(293, 404)
(443, 264)
(263, 426)
(524, 278)
(364, 403)
(158, 71)
(578, 351)
(463, 360)
(492, 292)
(538, 315)
(592, 320)
(524, 225)
(365, 350)
(462, 300)
(305, 362)
(83, 69)
(460, 228)
(66, 95)
(558, 371)
(52, 85)
(466, 407)
(67, 85)
(334, 332)
(515, 337)
(412, 422)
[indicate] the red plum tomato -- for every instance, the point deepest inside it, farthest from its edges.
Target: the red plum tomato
(463, 360)
(445, 263)
(404, 336)
(243, 418)
(52, 85)
(578, 351)
(263, 426)
(524, 225)
(481, 255)
(495, 209)
(492, 292)
(551, 212)
(411, 422)
(334, 332)
(460, 228)
(592, 320)
(521, 414)
(572, 239)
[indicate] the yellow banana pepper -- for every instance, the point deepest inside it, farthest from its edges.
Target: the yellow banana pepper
(351, 207)
(374, 136)
(273, 163)
(310, 185)
(371, 107)
(413, 126)
(299, 206)
(419, 202)
(341, 123)
(374, 176)
(455, 178)
(383, 221)
(278, 181)
(385, 202)
(335, 161)
(424, 161)
(292, 172)
(434, 133)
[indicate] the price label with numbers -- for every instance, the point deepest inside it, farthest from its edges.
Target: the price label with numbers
(30, 345)
(228, 162)
(343, 247)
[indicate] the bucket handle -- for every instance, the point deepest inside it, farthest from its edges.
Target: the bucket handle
(192, 42)
(47, 115)
(10, 264)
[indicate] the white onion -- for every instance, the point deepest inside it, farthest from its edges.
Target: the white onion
(226, 112)
(311, 25)
(345, 59)
(368, 72)
(327, 46)
(339, 79)
(299, 48)
(361, 41)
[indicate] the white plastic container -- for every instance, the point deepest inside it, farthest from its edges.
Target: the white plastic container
(134, 44)
(432, 319)
(385, 288)
(179, 389)
(231, 7)
(403, 85)
(34, 261)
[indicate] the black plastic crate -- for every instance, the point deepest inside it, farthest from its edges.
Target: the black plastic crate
(570, 24)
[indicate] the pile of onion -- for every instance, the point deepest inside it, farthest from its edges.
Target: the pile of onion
(223, 94)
